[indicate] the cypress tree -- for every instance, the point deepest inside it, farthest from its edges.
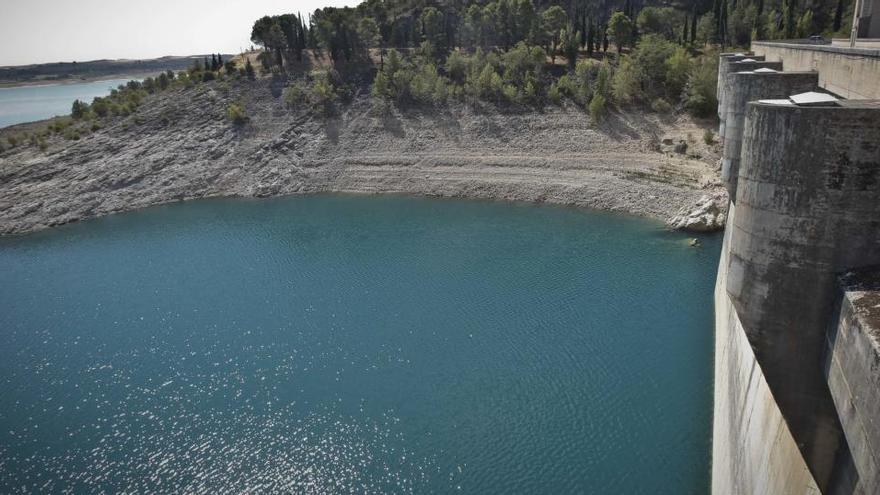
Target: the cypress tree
(789, 19)
(684, 36)
(590, 40)
(206, 63)
(605, 40)
(723, 22)
(838, 16)
(694, 24)
(584, 30)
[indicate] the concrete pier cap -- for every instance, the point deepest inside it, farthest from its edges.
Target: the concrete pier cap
(750, 86)
(806, 210)
(745, 65)
(723, 60)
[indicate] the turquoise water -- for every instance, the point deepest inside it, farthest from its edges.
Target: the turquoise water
(29, 103)
(332, 344)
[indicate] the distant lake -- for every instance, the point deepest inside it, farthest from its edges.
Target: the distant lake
(29, 103)
(356, 344)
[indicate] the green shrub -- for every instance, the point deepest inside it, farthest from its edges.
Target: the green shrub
(294, 94)
(603, 80)
(457, 67)
(531, 92)
(489, 83)
(72, 134)
(510, 93)
(660, 105)
(236, 114)
(101, 106)
(79, 109)
(38, 141)
(12, 140)
(700, 89)
(678, 69)
(381, 88)
(598, 108)
(708, 136)
(427, 86)
(554, 94)
(566, 86)
(625, 82)
(323, 92)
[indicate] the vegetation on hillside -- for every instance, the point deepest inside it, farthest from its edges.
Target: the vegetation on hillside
(526, 52)
(521, 53)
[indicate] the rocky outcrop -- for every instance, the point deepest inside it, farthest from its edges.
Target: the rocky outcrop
(706, 215)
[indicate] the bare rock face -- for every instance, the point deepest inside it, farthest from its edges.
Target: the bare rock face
(707, 215)
(180, 145)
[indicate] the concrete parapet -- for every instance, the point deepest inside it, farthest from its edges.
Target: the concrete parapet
(852, 367)
(751, 86)
(806, 204)
(850, 73)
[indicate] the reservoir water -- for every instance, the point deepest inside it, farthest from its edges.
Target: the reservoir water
(29, 103)
(332, 343)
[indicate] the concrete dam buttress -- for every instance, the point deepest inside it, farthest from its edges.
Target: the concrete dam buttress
(797, 299)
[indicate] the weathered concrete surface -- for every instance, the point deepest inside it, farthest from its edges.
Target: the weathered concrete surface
(724, 87)
(748, 64)
(852, 366)
(750, 86)
(850, 73)
(725, 59)
(753, 451)
(806, 209)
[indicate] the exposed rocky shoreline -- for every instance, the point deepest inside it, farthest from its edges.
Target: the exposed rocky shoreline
(180, 146)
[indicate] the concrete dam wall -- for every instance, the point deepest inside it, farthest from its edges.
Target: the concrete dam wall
(797, 352)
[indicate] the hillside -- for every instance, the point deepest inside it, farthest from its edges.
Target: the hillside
(180, 144)
(93, 69)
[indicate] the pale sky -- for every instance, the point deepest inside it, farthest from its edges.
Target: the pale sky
(38, 31)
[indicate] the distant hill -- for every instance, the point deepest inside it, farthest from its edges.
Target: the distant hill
(93, 69)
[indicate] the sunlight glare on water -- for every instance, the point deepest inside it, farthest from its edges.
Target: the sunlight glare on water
(337, 344)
